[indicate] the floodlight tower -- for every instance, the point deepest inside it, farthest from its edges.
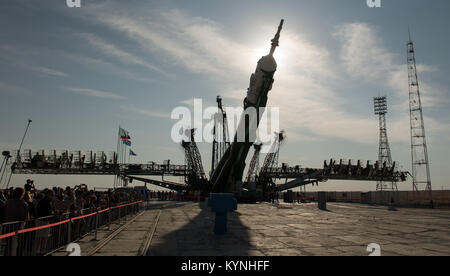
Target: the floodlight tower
(384, 152)
(419, 152)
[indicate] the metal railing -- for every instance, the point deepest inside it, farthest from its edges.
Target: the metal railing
(48, 234)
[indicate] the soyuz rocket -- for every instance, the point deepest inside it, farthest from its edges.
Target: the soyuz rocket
(231, 167)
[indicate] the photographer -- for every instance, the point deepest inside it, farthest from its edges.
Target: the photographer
(29, 186)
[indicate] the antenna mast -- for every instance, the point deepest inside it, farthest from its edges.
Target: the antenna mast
(419, 152)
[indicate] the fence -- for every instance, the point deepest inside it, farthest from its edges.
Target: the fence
(441, 199)
(45, 235)
(175, 196)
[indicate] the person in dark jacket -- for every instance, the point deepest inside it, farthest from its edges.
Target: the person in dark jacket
(16, 209)
(44, 209)
(31, 208)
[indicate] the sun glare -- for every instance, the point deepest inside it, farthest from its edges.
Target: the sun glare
(257, 53)
(280, 56)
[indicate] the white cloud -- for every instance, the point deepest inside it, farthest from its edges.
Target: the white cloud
(96, 93)
(123, 56)
(19, 57)
(6, 88)
(309, 78)
(188, 102)
(147, 112)
(199, 45)
(363, 53)
(365, 56)
(47, 71)
(195, 43)
(105, 67)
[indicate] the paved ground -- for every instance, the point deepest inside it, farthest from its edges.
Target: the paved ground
(128, 242)
(185, 229)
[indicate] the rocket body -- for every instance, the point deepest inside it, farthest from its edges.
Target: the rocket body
(231, 167)
(265, 69)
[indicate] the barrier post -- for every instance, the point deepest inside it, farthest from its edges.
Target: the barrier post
(69, 231)
(109, 219)
(2, 246)
(59, 231)
(15, 241)
(96, 225)
(126, 213)
(119, 215)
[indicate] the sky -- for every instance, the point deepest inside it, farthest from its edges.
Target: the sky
(80, 73)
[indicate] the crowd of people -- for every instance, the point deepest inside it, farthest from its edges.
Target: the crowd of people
(28, 203)
(162, 195)
(172, 196)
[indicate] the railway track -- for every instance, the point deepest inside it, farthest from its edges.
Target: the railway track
(134, 238)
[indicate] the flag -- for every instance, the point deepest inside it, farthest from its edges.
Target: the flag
(132, 153)
(127, 143)
(124, 135)
(123, 132)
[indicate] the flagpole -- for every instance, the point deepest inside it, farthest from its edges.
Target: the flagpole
(124, 159)
(117, 159)
(121, 161)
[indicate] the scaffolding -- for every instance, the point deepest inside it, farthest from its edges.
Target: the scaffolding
(271, 160)
(193, 158)
(254, 164)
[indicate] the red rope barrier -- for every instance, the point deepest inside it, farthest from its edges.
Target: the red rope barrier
(104, 210)
(83, 216)
(126, 204)
(7, 235)
(4, 236)
(42, 227)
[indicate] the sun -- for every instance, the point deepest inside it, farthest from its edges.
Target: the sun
(258, 53)
(261, 47)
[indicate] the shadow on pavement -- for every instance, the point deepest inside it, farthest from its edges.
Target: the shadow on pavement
(186, 229)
